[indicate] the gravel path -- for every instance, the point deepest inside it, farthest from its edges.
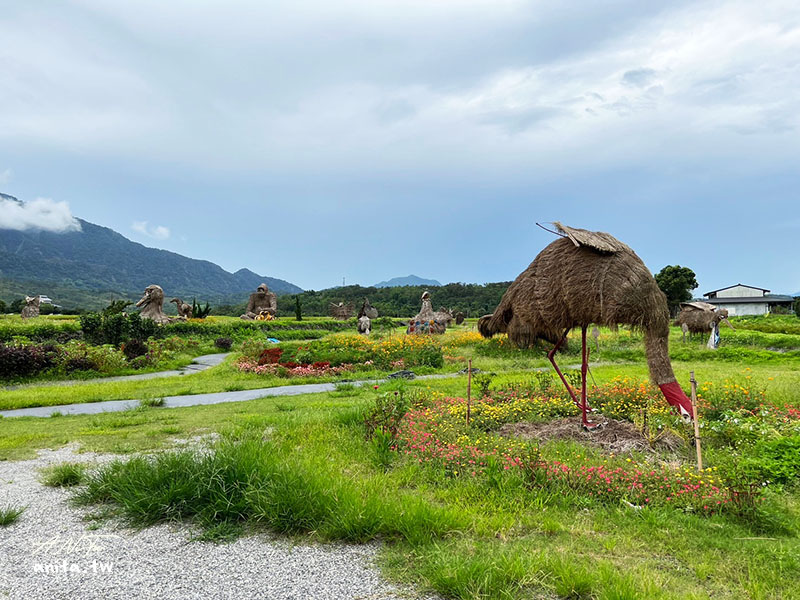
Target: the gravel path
(51, 553)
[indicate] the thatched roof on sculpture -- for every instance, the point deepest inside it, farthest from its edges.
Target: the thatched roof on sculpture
(698, 306)
(597, 240)
(581, 279)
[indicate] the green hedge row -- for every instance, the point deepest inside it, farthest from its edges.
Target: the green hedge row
(40, 329)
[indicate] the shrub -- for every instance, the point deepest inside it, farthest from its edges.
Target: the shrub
(116, 307)
(223, 343)
(10, 514)
(385, 416)
(25, 361)
(80, 356)
(270, 356)
(134, 349)
(116, 327)
(79, 363)
(198, 311)
(64, 475)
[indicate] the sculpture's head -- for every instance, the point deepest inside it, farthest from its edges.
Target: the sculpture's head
(176, 300)
(722, 317)
(32, 300)
(153, 294)
(426, 295)
(262, 289)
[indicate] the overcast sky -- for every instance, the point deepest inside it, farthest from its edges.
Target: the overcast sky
(315, 140)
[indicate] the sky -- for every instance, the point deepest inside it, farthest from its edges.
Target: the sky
(314, 141)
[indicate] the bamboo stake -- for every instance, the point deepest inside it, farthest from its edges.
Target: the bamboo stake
(696, 422)
(469, 388)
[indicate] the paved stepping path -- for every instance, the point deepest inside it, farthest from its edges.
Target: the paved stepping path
(199, 363)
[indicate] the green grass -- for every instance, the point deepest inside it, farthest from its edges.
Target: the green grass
(151, 402)
(463, 538)
(10, 514)
(63, 475)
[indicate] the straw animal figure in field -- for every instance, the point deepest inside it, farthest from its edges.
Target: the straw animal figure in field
(587, 278)
(152, 303)
(31, 308)
(702, 317)
(184, 310)
(367, 310)
(427, 321)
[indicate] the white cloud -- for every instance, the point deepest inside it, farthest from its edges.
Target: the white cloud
(5, 176)
(40, 214)
(157, 232)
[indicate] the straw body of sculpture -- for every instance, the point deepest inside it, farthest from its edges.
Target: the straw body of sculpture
(699, 317)
(261, 301)
(428, 321)
(341, 311)
(581, 279)
(184, 310)
(152, 304)
(31, 308)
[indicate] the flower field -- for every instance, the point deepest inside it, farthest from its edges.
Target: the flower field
(436, 432)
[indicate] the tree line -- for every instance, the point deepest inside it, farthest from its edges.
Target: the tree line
(471, 299)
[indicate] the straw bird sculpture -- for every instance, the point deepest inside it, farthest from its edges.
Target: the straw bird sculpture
(703, 317)
(587, 278)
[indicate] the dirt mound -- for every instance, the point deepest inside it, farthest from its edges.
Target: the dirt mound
(615, 436)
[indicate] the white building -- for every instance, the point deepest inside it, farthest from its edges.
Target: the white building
(742, 299)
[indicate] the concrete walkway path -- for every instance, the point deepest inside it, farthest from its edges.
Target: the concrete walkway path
(199, 363)
(92, 408)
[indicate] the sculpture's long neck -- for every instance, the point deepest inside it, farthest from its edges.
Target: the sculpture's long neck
(656, 345)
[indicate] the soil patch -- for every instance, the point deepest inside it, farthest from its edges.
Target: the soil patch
(615, 436)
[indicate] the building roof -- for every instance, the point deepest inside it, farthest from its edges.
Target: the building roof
(767, 299)
(752, 287)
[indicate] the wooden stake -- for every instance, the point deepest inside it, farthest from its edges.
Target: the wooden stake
(696, 422)
(469, 388)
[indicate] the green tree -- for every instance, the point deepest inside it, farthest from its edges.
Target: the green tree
(677, 283)
(17, 305)
(3, 307)
(797, 306)
(298, 311)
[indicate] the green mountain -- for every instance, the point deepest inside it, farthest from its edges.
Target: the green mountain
(85, 269)
(408, 280)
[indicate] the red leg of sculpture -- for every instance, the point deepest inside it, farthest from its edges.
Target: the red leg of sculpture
(582, 403)
(551, 355)
(584, 368)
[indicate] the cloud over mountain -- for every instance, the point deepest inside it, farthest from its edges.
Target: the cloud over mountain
(40, 214)
(157, 232)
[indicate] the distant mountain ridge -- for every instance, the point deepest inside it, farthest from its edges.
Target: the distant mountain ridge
(102, 260)
(408, 280)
